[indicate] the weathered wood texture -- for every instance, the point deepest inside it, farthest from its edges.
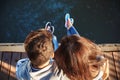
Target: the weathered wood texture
(8, 62)
(11, 53)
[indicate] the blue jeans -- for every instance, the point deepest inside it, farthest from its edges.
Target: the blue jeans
(70, 31)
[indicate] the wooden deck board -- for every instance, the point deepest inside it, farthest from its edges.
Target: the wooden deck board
(15, 58)
(6, 64)
(112, 73)
(24, 55)
(0, 60)
(117, 63)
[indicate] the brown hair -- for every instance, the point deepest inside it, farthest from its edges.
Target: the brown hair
(38, 45)
(72, 58)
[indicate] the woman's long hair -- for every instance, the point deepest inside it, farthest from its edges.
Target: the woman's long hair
(72, 57)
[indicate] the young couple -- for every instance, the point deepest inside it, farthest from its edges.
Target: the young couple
(76, 58)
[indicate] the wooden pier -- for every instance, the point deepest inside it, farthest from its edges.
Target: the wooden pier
(10, 53)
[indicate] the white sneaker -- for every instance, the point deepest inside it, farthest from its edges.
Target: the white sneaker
(67, 16)
(49, 27)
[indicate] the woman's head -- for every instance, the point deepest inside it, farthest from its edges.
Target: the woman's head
(74, 55)
(38, 45)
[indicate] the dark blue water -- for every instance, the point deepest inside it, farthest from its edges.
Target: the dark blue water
(98, 20)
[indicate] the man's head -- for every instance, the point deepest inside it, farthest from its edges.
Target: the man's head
(39, 47)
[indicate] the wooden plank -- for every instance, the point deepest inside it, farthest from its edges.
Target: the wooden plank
(0, 55)
(117, 63)
(110, 47)
(112, 70)
(15, 58)
(24, 55)
(17, 48)
(5, 67)
(0, 60)
(2, 44)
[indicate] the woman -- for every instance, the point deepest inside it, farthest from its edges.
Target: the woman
(80, 58)
(72, 58)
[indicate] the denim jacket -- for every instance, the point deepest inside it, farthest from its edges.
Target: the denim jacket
(51, 72)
